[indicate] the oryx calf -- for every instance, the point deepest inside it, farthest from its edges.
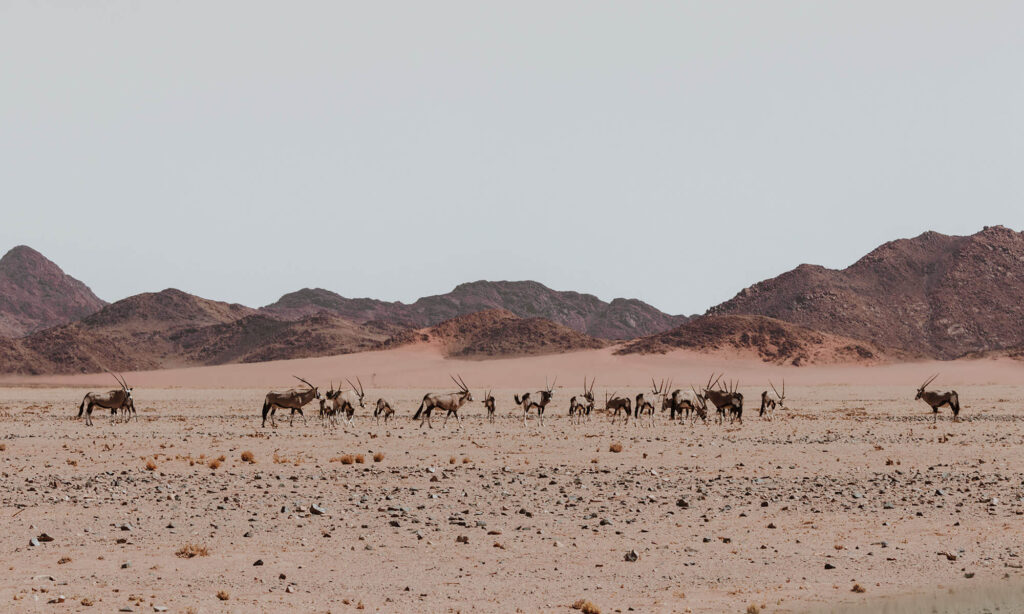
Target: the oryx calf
(384, 407)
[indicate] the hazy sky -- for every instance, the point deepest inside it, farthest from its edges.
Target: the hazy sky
(674, 152)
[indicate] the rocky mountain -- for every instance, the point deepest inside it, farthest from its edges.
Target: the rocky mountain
(173, 329)
(770, 340)
(36, 294)
(934, 295)
(585, 313)
(497, 333)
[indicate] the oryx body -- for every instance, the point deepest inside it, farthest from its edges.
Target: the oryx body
(939, 399)
(449, 402)
(114, 400)
(293, 398)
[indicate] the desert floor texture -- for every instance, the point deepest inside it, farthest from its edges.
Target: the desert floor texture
(851, 500)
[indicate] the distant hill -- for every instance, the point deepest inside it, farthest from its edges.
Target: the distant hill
(497, 333)
(585, 313)
(36, 294)
(767, 339)
(173, 329)
(934, 295)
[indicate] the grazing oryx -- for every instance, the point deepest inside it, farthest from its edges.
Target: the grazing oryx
(385, 407)
(527, 402)
(616, 405)
(700, 407)
(679, 402)
(344, 402)
(450, 402)
(294, 399)
(644, 406)
(582, 404)
(120, 399)
(489, 405)
(725, 400)
(939, 399)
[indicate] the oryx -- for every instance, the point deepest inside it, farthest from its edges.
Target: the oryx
(616, 405)
(385, 407)
(681, 403)
(582, 404)
(120, 399)
(488, 402)
(344, 402)
(527, 402)
(939, 399)
(646, 406)
(294, 399)
(769, 404)
(450, 402)
(725, 400)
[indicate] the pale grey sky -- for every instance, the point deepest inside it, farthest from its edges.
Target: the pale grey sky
(674, 152)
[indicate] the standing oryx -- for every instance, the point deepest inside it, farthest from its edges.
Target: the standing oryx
(939, 399)
(616, 405)
(488, 402)
(768, 404)
(527, 402)
(344, 402)
(725, 400)
(582, 404)
(450, 402)
(294, 399)
(120, 399)
(700, 407)
(385, 407)
(645, 406)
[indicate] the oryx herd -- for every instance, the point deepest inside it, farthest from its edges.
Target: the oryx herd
(338, 404)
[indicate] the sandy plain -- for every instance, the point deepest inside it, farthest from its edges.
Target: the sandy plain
(851, 486)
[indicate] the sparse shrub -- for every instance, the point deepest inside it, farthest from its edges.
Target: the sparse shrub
(214, 463)
(248, 457)
(72, 462)
(593, 460)
(465, 460)
(87, 602)
(222, 458)
(753, 609)
(451, 461)
(857, 588)
(360, 459)
(223, 595)
(63, 560)
(190, 551)
(378, 457)
(585, 606)
(344, 459)
(151, 464)
(615, 447)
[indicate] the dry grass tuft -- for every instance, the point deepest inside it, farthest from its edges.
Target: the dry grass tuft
(151, 464)
(593, 460)
(223, 595)
(248, 457)
(345, 459)
(753, 609)
(360, 459)
(378, 457)
(214, 463)
(857, 588)
(466, 459)
(63, 560)
(3, 447)
(585, 606)
(452, 460)
(87, 602)
(615, 447)
(190, 551)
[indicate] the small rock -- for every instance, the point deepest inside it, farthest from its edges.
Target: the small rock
(159, 608)
(43, 537)
(829, 566)
(126, 565)
(289, 589)
(632, 556)
(127, 527)
(887, 506)
(33, 542)
(462, 539)
(683, 503)
(258, 563)
(316, 510)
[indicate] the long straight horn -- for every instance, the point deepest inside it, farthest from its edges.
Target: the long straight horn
(554, 383)
(463, 382)
(773, 388)
(455, 380)
(592, 382)
(361, 391)
(311, 386)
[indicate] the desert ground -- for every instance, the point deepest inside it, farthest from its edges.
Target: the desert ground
(850, 500)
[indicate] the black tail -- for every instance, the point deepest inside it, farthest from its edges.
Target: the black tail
(81, 408)
(419, 411)
(954, 403)
(266, 409)
(518, 400)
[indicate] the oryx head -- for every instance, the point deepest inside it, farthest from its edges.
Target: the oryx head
(463, 388)
(920, 391)
(359, 391)
(588, 393)
(316, 391)
(124, 386)
(782, 395)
